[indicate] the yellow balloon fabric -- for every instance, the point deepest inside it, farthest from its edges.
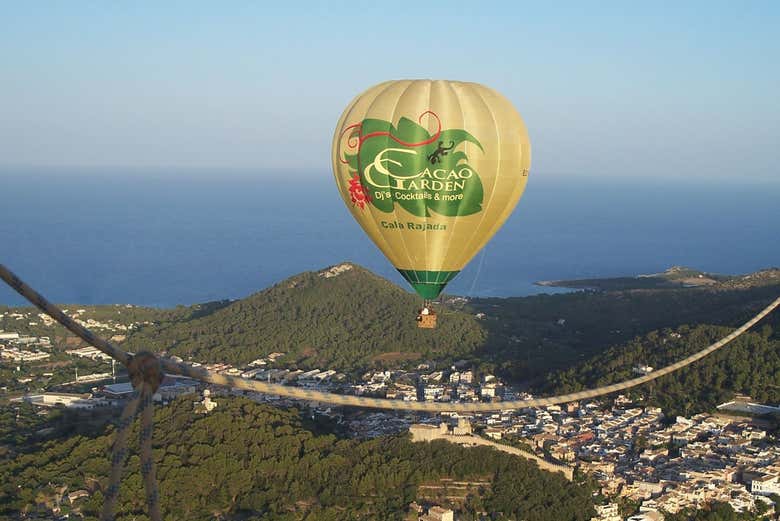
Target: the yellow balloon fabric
(430, 169)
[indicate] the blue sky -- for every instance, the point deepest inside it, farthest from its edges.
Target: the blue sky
(661, 89)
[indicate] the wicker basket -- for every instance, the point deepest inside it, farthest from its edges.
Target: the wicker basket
(427, 321)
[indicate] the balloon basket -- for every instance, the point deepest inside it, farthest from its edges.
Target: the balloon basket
(426, 318)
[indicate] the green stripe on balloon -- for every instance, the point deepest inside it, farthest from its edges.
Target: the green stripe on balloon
(428, 284)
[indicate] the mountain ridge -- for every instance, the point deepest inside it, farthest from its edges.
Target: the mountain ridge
(340, 315)
(347, 318)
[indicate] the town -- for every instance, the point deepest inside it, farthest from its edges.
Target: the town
(633, 451)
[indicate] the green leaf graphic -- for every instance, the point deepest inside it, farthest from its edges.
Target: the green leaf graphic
(398, 166)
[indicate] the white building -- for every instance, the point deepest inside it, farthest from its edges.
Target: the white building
(253, 373)
(325, 375)
(488, 390)
(71, 401)
(89, 352)
(308, 374)
(438, 513)
(765, 485)
(432, 392)
(608, 512)
(207, 404)
(19, 355)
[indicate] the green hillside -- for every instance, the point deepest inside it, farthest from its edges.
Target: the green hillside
(341, 318)
(749, 365)
(350, 319)
(246, 462)
(529, 336)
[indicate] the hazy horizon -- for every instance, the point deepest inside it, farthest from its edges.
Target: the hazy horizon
(165, 240)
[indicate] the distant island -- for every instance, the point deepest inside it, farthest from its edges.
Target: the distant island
(675, 277)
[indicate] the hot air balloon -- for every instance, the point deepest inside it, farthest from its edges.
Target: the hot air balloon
(430, 170)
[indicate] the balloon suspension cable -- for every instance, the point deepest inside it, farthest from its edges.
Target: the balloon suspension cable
(470, 294)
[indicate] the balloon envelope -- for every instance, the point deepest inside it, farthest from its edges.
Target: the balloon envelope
(430, 170)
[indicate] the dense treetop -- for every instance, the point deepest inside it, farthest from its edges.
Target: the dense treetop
(749, 365)
(249, 461)
(343, 321)
(718, 512)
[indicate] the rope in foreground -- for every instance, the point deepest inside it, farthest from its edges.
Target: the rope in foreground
(146, 373)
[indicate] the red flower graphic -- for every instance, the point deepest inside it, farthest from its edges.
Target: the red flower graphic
(358, 192)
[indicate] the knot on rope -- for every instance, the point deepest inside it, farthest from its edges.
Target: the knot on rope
(146, 374)
(145, 368)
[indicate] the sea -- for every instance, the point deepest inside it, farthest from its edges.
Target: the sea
(167, 237)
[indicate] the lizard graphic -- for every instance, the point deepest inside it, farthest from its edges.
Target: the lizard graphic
(441, 150)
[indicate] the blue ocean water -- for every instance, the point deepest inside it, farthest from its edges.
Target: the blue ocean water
(165, 238)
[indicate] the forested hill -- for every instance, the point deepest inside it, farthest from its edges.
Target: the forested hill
(344, 317)
(246, 461)
(347, 318)
(748, 365)
(529, 336)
